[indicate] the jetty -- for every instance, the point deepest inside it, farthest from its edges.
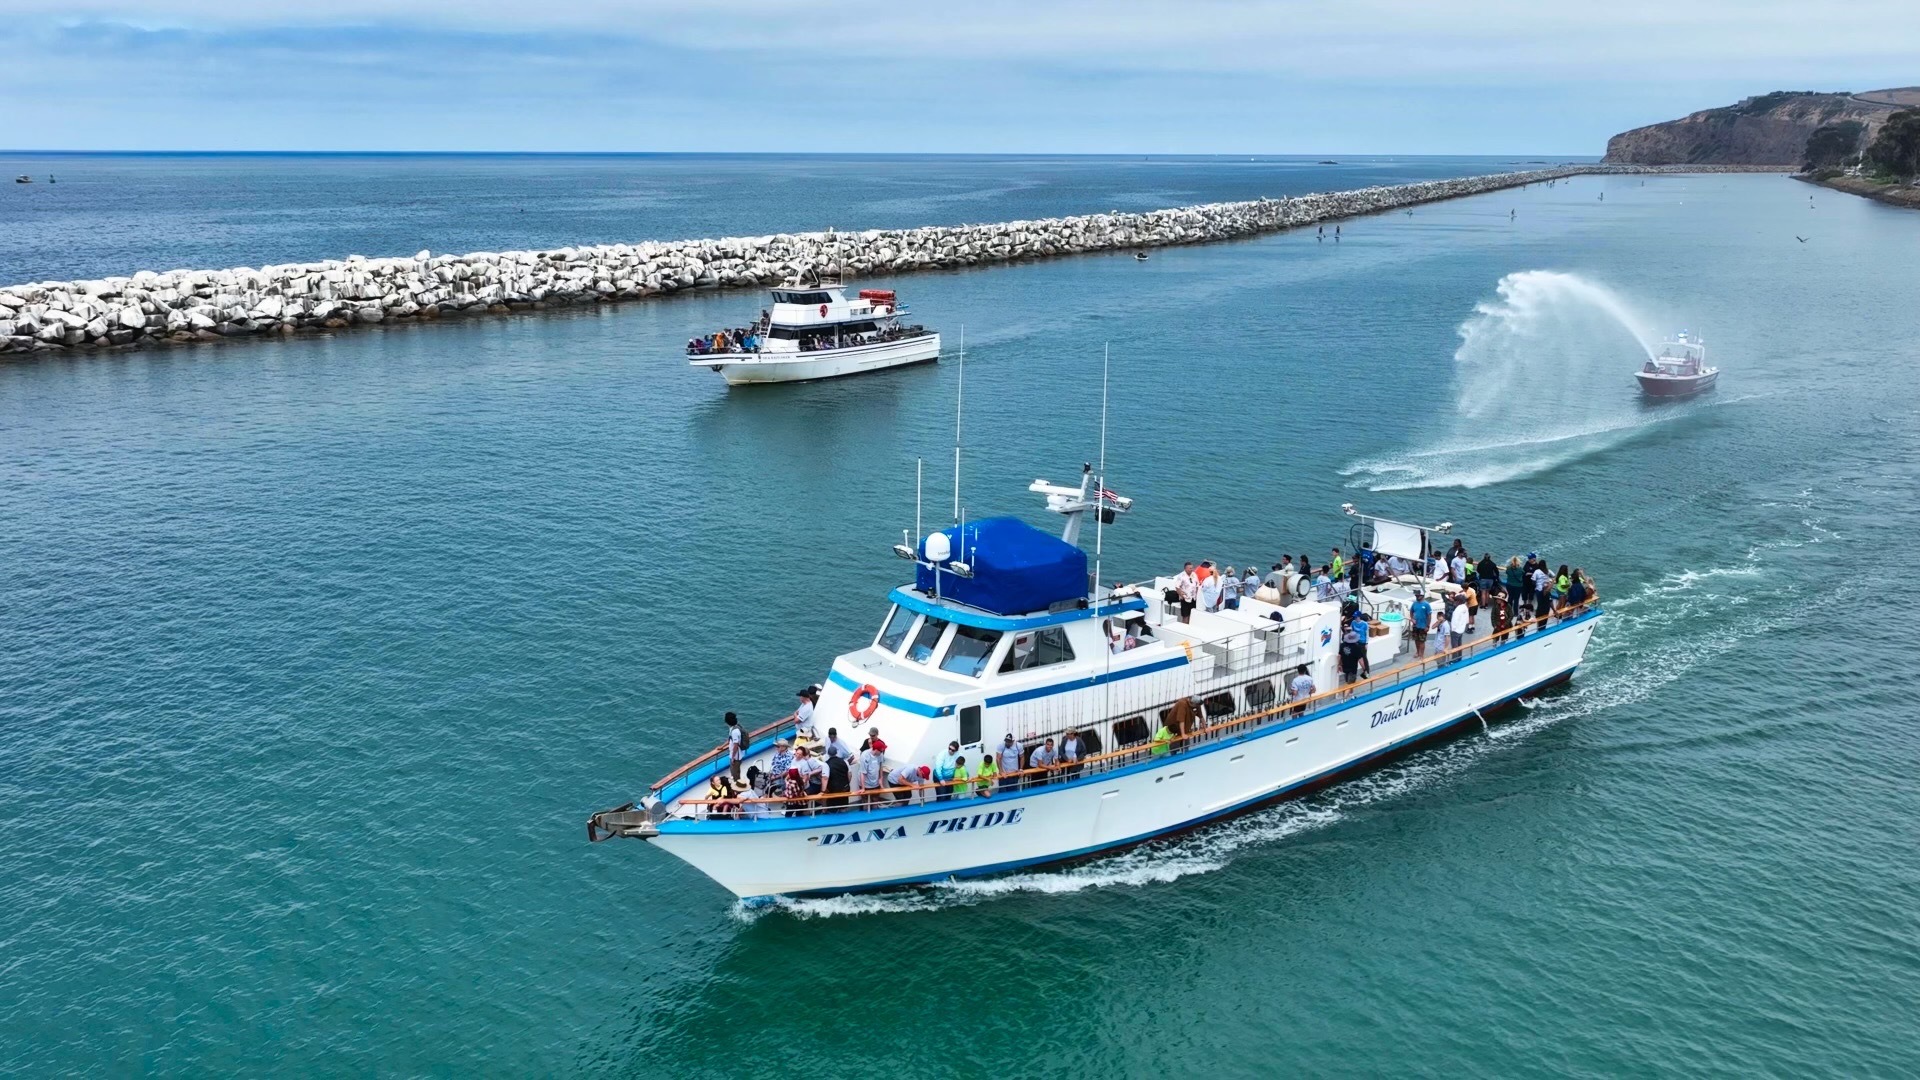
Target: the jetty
(185, 306)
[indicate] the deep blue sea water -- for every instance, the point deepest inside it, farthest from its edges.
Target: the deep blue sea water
(118, 213)
(318, 651)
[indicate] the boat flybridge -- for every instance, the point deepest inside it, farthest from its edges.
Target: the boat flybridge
(1679, 369)
(812, 331)
(998, 646)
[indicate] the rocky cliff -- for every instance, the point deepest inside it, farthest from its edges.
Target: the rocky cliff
(1771, 129)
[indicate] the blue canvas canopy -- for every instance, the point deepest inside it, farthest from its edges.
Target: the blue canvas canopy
(1016, 568)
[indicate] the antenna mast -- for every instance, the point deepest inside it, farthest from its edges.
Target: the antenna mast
(959, 400)
(1100, 497)
(1099, 530)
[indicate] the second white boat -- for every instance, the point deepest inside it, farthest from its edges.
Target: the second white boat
(812, 331)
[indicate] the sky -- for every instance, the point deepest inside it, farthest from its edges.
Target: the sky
(983, 76)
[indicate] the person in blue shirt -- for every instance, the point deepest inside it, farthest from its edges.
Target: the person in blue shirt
(943, 767)
(1360, 628)
(1419, 620)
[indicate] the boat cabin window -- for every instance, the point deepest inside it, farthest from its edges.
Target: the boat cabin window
(1038, 648)
(970, 650)
(924, 642)
(1259, 694)
(801, 298)
(1130, 732)
(894, 631)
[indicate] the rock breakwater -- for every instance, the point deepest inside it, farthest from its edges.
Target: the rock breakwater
(184, 306)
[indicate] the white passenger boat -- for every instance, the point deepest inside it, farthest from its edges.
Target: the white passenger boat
(813, 331)
(998, 635)
(1679, 370)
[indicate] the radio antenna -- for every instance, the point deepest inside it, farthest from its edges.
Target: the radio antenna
(1099, 531)
(1100, 497)
(959, 400)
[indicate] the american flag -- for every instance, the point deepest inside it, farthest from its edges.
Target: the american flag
(1109, 495)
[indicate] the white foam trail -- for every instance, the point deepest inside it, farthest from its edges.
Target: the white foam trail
(1542, 378)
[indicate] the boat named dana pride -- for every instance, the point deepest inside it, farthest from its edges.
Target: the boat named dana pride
(1109, 719)
(813, 331)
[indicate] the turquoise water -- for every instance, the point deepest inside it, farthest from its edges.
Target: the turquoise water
(318, 653)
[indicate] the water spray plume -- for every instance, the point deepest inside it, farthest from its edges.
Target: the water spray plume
(1542, 377)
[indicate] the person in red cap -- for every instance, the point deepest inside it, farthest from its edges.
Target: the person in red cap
(872, 771)
(908, 779)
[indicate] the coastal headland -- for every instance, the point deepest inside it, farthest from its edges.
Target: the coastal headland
(186, 306)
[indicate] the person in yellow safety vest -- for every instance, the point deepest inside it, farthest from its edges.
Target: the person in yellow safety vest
(983, 779)
(962, 788)
(1337, 567)
(1162, 740)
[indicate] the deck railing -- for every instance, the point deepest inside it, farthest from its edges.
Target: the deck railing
(1132, 754)
(721, 751)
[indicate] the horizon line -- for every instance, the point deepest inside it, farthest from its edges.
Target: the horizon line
(1533, 157)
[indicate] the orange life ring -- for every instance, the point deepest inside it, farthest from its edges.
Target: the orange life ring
(864, 701)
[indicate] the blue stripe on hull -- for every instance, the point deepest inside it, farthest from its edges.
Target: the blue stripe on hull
(1295, 790)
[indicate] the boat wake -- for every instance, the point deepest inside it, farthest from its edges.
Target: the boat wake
(1541, 379)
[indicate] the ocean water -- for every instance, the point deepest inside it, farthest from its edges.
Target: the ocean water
(318, 652)
(117, 213)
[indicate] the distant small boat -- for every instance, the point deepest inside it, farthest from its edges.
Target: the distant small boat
(1679, 371)
(51, 180)
(1327, 163)
(1139, 256)
(23, 179)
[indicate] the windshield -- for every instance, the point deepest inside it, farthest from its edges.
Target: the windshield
(894, 631)
(969, 651)
(921, 650)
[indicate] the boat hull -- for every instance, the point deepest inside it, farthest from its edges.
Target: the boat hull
(1674, 386)
(744, 369)
(1059, 822)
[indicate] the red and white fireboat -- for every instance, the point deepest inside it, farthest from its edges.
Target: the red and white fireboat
(1679, 370)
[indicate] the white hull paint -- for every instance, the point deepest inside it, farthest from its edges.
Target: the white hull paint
(1135, 801)
(781, 367)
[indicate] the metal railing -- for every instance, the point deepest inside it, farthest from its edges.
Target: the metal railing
(721, 751)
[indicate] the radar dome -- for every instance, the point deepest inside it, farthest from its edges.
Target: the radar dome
(938, 547)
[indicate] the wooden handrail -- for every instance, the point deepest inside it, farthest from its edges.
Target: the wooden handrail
(1209, 731)
(721, 750)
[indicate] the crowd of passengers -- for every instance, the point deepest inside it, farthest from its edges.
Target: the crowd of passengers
(747, 339)
(740, 339)
(1521, 592)
(805, 768)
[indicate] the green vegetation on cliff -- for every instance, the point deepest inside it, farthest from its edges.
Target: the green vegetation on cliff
(1896, 150)
(1833, 145)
